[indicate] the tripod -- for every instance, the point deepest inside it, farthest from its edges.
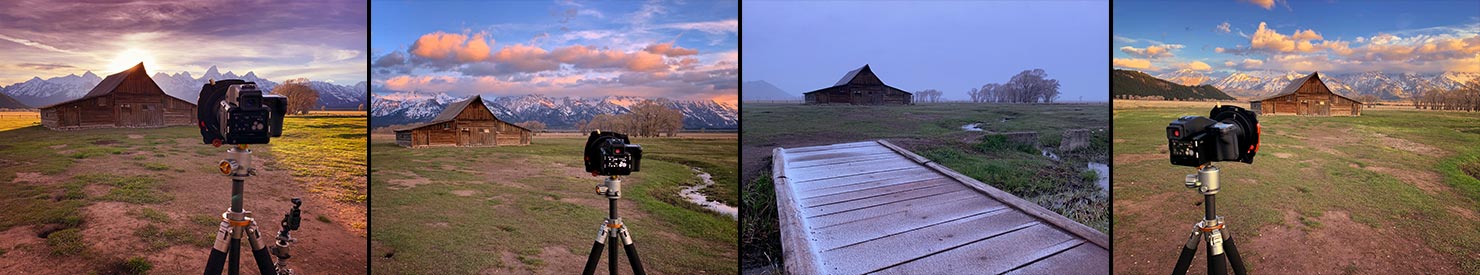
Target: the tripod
(237, 223)
(611, 232)
(1211, 229)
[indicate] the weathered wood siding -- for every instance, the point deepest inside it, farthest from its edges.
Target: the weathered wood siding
(473, 126)
(872, 207)
(135, 103)
(1312, 98)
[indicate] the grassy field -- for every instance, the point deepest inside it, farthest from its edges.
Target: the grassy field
(933, 131)
(533, 209)
(113, 200)
(1389, 192)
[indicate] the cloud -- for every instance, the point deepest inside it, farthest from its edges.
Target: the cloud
(668, 49)
(1133, 63)
(711, 27)
(1196, 66)
(1223, 27)
(1152, 52)
(525, 58)
(1266, 4)
(45, 66)
(448, 46)
(1268, 39)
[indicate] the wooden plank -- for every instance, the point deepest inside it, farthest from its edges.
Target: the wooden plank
(795, 249)
(1069, 262)
(987, 256)
(1089, 234)
(904, 246)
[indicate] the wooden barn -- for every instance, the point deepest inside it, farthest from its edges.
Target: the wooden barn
(464, 123)
(860, 87)
(128, 99)
(1307, 96)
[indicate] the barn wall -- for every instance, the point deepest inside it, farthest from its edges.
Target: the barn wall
(859, 95)
(403, 138)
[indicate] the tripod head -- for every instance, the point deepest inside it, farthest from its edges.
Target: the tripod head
(1205, 181)
(611, 187)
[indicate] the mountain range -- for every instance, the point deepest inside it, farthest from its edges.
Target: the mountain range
(1386, 86)
(402, 108)
(38, 92)
(1139, 84)
(762, 90)
(7, 102)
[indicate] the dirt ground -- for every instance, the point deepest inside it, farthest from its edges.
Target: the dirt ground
(1324, 196)
(109, 228)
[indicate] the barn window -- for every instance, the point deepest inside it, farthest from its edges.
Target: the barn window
(446, 126)
(102, 102)
(485, 130)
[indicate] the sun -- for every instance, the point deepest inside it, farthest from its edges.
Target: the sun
(130, 57)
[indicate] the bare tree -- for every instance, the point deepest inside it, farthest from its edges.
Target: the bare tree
(1031, 86)
(992, 92)
(534, 126)
(301, 97)
(929, 95)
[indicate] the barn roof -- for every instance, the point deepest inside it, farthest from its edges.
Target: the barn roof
(451, 112)
(1297, 83)
(848, 77)
(872, 207)
(110, 84)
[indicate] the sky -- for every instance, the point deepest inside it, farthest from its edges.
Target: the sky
(951, 46)
(685, 50)
(318, 40)
(1326, 36)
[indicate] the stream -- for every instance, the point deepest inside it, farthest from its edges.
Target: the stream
(692, 194)
(1103, 172)
(974, 127)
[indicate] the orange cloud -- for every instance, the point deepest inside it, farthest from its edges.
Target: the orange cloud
(1197, 66)
(1153, 51)
(525, 58)
(442, 46)
(1266, 4)
(1271, 40)
(1133, 63)
(669, 49)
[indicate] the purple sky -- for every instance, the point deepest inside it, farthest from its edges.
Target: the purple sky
(320, 40)
(951, 46)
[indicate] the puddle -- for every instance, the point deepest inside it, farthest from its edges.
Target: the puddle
(1103, 172)
(974, 127)
(692, 194)
(1049, 154)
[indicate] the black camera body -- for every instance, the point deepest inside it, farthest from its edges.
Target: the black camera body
(234, 111)
(1228, 133)
(609, 154)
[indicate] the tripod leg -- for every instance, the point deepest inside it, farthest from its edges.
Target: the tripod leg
(1233, 258)
(217, 261)
(1217, 259)
(595, 256)
(611, 258)
(259, 251)
(234, 257)
(631, 249)
(1189, 250)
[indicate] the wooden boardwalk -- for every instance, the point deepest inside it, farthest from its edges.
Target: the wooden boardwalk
(872, 207)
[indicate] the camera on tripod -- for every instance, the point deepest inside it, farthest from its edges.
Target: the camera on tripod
(609, 154)
(1228, 133)
(235, 111)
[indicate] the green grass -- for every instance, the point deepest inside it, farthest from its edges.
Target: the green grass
(136, 265)
(1312, 179)
(149, 214)
(527, 200)
(67, 242)
(328, 152)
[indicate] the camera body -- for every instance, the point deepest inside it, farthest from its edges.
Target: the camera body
(234, 111)
(1228, 133)
(609, 154)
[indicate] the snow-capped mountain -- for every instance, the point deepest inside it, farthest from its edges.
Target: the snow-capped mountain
(1187, 77)
(1387, 86)
(403, 108)
(38, 92)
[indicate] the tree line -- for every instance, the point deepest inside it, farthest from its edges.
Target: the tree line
(1464, 98)
(646, 119)
(1029, 86)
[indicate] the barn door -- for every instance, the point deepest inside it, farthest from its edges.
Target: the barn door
(463, 138)
(1304, 108)
(69, 116)
(1324, 109)
(156, 114)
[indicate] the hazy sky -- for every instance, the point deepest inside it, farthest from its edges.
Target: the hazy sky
(1328, 36)
(320, 40)
(951, 46)
(673, 49)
